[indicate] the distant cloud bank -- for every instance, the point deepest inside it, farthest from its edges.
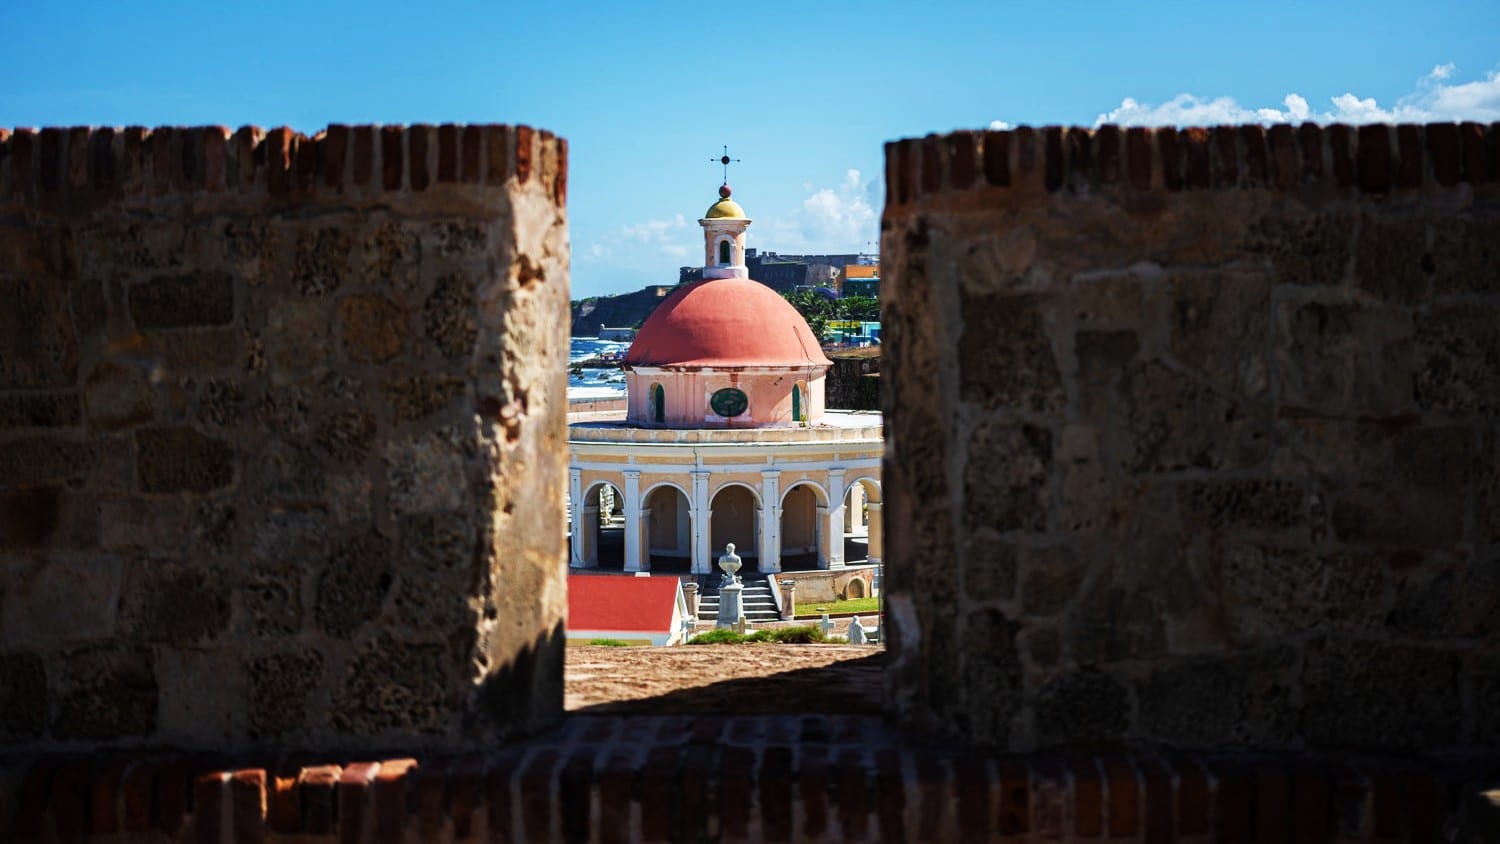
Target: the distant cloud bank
(837, 219)
(1436, 98)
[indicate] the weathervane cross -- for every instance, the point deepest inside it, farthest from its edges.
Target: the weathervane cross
(726, 161)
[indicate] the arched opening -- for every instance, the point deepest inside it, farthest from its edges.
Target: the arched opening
(600, 528)
(724, 252)
(855, 589)
(669, 529)
(735, 508)
(797, 403)
(658, 404)
(801, 534)
(862, 529)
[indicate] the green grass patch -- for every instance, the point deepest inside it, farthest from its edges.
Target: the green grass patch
(860, 605)
(614, 643)
(805, 634)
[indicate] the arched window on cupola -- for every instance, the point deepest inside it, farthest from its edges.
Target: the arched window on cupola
(658, 404)
(796, 403)
(724, 252)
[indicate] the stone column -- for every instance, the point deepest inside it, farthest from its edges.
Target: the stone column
(577, 527)
(690, 595)
(876, 537)
(590, 547)
(770, 521)
(820, 538)
(788, 599)
(835, 521)
(632, 519)
(702, 516)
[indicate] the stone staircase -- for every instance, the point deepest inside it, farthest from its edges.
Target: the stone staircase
(760, 605)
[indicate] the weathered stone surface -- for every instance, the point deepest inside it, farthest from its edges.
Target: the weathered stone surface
(322, 261)
(23, 696)
(372, 328)
(1392, 261)
(1466, 256)
(40, 410)
(420, 396)
(990, 572)
(1053, 577)
(182, 460)
(200, 691)
(38, 345)
(1240, 436)
(1337, 358)
(1458, 356)
(1246, 698)
(1005, 485)
(1218, 325)
(281, 685)
(1178, 423)
(448, 318)
(233, 425)
(104, 693)
(353, 584)
(394, 686)
(29, 516)
(1422, 710)
(1081, 708)
(64, 598)
(197, 299)
(414, 472)
(1006, 359)
(992, 666)
(170, 602)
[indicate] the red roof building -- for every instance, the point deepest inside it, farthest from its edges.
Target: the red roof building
(630, 609)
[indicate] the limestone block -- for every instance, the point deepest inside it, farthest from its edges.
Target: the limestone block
(38, 343)
(23, 696)
(172, 602)
(282, 688)
(1423, 710)
(182, 460)
(198, 299)
(63, 598)
(105, 692)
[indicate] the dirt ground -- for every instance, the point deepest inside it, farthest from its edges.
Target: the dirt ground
(725, 679)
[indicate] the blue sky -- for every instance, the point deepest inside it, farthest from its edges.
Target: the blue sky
(804, 92)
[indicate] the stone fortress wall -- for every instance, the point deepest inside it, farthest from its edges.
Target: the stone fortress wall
(281, 436)
(1194, 436)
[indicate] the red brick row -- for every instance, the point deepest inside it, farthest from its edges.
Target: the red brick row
(1373, 159)
(84, 162)
(691, 790)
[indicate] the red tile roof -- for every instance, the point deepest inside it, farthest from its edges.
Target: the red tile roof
(725, 322)
(598, 602)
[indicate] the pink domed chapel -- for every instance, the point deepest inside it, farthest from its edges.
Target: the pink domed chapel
(725, 436)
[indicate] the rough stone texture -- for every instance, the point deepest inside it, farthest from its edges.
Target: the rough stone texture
(254, 491)
(1205, 438)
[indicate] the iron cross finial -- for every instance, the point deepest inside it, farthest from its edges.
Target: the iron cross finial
(726, 161)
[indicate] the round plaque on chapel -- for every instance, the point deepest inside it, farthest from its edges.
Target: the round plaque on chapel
(729, 402)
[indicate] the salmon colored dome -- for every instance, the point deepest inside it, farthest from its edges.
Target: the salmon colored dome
(725, 322)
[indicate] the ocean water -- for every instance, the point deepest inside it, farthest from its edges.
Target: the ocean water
(592, 383)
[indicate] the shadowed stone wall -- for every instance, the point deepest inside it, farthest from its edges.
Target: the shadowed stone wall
(281, 436)
(1194, 436)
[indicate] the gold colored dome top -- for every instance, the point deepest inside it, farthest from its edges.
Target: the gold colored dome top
(725, 208)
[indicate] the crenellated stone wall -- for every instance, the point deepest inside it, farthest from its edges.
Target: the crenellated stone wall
(281, 436)
(1194, 436)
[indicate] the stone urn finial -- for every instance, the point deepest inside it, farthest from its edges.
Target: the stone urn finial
(730, 564)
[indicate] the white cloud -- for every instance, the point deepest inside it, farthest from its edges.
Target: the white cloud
(671, 238)
(1435, 98)
(999, 125)
(836, 219)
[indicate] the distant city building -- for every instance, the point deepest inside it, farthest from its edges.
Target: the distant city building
(860, 280)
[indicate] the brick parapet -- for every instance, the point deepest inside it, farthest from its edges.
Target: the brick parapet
(59, 167)
(747, 778)
(1374, 159)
